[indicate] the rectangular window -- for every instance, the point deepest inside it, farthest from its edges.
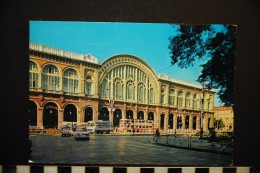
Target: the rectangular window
(88, 88)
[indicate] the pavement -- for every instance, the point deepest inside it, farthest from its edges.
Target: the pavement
(195, 144)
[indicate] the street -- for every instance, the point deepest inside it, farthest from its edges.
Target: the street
(113, 149)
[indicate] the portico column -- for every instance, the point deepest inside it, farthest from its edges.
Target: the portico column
(80, 116)
(40, 118)
(183, 121)
(123, 114)
(190, 122)
(60, 117)
(198, 123)
(166, 122)
(175, 121)
(145, 115)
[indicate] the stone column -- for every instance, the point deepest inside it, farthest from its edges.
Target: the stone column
(198, 123)
(183, 117)
(145, 115)
(190, 122)
(80, 116)
(165, 122)
(40, 118)
(174, 121)
(60, 117)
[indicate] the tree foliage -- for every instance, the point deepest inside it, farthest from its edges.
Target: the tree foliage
(217, 48)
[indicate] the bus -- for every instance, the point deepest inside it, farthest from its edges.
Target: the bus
(139, 125)
(99, 126)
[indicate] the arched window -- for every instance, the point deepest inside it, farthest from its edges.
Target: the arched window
(171, 97)
(180, 99)
(104, 89)
(141, 92)
(187, 100)
(70, 81)
(34, 75)
(51, 78)
(88, 85)
(118, 88)
(130, 90)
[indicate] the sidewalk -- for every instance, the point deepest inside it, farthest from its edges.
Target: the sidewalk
(194, 143)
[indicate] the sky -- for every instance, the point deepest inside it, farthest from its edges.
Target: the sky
(148, 41)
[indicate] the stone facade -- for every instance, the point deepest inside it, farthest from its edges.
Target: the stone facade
(226, 114)
(65, 86)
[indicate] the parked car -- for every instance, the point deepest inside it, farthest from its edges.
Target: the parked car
(81, 133)
(67, 131)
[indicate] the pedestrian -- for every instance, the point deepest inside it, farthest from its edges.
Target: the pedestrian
(157, 133)
(175, 133)
(212, 137)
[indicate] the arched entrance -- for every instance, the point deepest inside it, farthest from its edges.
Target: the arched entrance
(162, 121)
(32, 113)
(117, 117)
(50, 115)
(187, 118)
(170, 123)
(194, 122)
(104, 114)
(209, 122)
(70, 113)
(129, 114)
(179, 122)
(88, 116)
(150, 116)
(140, 115)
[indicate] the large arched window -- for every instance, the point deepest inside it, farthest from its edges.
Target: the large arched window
(70, 81)
(34, 75)
(171, 97)
(187, 100)
(104, 89)
(141, 92)
(51, 78)
(130, 90)
(180, 99)
(118, 88)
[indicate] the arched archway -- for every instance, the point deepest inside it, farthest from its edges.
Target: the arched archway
(117, 117)
(162, 121)
(70, 113)
(187, 119)
(150, 116)
(88, 116)
(194, 122)
(170, 123)
(32, 113)
(50, 115)
(129, 114)
(103, 114)
(140, 115)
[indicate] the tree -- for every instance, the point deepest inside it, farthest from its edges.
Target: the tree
(216, 47)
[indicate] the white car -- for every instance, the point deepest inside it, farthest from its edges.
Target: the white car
(81, 133)
(66, 131)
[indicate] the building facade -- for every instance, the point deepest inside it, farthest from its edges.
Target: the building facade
(225, 116)
(66, 86)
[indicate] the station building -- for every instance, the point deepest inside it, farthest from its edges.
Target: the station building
(226, 115)
(65, 86)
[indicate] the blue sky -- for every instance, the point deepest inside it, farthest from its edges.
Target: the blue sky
(148, 41)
